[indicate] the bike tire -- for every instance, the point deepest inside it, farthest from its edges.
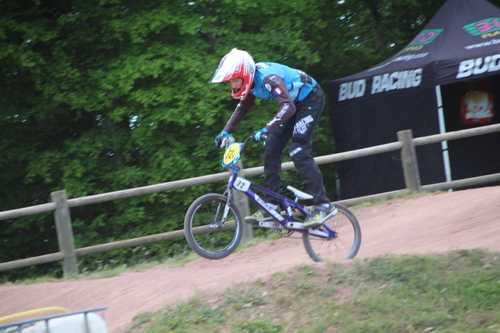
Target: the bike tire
(200, 229)
(345, 246)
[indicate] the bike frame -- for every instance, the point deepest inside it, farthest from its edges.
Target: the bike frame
(245, 186)
(207, 216)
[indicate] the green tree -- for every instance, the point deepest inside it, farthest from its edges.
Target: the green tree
(105, 95)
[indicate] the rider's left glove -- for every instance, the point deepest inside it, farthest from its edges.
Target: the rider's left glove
(219, 138)
(260, 135)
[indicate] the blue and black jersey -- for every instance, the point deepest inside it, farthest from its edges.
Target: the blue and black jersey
(277, 82)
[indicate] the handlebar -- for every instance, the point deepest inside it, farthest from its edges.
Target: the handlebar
(230, 140)
(233, 151)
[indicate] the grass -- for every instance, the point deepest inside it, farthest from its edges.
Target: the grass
(455, 292)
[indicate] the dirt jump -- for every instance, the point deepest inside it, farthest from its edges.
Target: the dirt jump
(432, 223)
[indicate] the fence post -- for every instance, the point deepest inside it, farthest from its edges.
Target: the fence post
(409, 161)
(65, 232)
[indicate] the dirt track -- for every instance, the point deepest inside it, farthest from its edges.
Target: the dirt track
(427, 224)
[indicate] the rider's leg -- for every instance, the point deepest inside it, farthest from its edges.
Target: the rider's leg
(273, 157)
(307, 117)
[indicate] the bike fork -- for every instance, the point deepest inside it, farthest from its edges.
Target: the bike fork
(219, 220)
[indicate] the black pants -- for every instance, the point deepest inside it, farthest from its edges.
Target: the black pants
(300, 129)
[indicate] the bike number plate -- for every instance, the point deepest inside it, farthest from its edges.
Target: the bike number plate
(241, 184)
(231, 155)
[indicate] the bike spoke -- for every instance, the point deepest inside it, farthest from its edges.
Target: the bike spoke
(209, 231)
(346, 243)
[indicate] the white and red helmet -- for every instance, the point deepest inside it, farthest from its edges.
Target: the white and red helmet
(236, 64)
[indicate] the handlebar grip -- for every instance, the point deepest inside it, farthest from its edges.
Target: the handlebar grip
(227, 141)
(263, 137)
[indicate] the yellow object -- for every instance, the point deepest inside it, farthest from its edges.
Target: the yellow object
(232, 153)
(32, 312)
(477, 96)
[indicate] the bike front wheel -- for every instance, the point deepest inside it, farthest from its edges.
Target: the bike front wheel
(211, 232)
(344, 246)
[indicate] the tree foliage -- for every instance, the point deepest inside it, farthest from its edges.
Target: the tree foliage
(105, 95)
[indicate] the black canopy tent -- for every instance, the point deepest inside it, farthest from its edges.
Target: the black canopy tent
(421, 88)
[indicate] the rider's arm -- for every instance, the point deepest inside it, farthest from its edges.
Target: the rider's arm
(239, 113)
(277, 87)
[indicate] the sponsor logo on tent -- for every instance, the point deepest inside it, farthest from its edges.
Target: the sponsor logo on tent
(479, 66)
(485, 28)
(423, 38)
(350, 90)
(381, 83)
(426, 37)
(397, 80)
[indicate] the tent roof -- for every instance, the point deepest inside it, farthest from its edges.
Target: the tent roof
(462, 37)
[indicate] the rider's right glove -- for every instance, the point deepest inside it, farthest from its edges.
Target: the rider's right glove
(260, 135)
(219, 138)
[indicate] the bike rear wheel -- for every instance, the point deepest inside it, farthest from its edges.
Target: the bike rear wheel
(344, 246)
(204, 230)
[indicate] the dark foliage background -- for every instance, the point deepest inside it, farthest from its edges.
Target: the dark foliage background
(105, 95)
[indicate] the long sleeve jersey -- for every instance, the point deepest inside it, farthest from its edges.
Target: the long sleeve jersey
(277, 82)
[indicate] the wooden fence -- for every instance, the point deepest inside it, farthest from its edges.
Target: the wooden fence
(61, 204)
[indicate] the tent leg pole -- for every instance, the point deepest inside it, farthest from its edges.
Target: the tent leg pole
(442, 130)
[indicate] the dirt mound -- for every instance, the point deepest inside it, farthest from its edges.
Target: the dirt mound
(427, 224)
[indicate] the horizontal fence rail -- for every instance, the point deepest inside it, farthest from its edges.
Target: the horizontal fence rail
(68, 253)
